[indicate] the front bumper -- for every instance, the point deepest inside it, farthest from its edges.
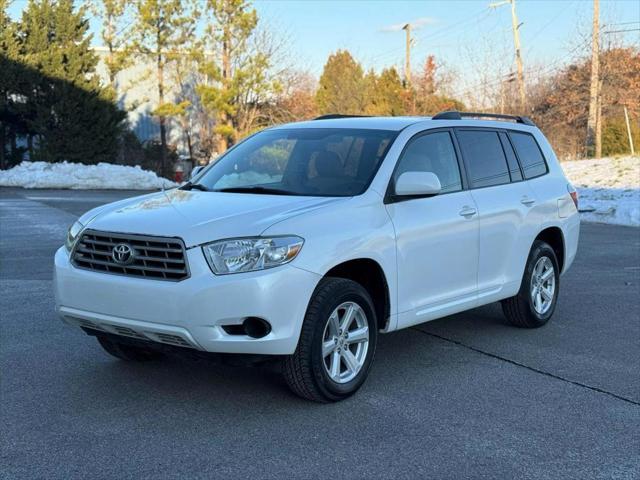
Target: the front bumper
(190, 312)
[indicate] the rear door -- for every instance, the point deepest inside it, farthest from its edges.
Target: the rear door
(504, 203)
(436, 236)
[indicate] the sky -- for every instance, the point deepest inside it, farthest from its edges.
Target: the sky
(460, 33)
(550, 28)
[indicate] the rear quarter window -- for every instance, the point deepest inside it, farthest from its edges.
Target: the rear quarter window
(529, 153)
(514, 168)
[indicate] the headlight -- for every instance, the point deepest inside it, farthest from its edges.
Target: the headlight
(250, 254)
(72, 235)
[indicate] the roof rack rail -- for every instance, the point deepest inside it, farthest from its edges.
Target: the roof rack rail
(455, 115)
(338, 115)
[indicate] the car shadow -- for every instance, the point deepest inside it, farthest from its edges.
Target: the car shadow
(174, 382)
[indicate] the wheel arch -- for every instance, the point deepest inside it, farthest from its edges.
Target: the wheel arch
(370, 274)
(555, 238)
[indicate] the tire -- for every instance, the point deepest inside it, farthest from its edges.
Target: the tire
(129, 353)
(524, 310)
(313, 376)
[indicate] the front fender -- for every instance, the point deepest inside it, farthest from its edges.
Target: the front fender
(359, 229)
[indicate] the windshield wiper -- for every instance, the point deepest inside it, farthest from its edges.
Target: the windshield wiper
(195, 186)
(255, 189)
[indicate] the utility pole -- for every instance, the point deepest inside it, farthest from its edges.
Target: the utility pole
(407, 56)
(593, 142)
(626, 119)
(507, 79)
(516, 42)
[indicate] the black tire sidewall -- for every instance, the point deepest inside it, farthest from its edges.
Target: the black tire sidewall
(539, 250)
(330, 389)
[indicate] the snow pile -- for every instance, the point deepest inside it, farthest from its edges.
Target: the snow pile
(77, 176)
(609, 189)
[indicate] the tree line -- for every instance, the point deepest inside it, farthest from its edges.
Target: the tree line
(218, 75)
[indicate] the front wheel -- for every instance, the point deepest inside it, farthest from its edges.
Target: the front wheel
(536, 301)
(337, 343)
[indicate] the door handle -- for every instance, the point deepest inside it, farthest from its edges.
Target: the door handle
(527, 201)
(467, 211)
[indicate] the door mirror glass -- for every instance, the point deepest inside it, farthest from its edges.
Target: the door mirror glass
(195, 171)
(418, 183)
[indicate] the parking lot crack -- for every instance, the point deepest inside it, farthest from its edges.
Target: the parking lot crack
(533, 369)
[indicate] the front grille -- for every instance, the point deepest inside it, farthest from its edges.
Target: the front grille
(158, 258)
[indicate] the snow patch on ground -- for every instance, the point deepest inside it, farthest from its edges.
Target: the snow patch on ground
(609, 188)
(103, 176)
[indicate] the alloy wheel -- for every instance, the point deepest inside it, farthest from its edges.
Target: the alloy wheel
(543, 285)
(345, 342)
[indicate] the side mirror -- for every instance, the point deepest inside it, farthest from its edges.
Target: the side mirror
(195, 171)
(417, 184)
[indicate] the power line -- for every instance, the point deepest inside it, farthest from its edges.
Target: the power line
(438, 32)
(546, 25)
(622, 23)
(547, 70)
(479, 15)
(620, 31)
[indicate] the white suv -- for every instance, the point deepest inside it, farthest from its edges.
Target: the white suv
(305, 241)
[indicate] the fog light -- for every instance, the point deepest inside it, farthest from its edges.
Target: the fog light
(255, 327)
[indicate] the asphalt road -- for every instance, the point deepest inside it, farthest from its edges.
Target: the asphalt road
(462, 397)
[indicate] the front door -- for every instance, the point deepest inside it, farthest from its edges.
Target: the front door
(436, 237)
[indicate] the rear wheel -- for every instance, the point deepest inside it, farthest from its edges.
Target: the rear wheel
(337, 343)
(535, 303)
(128, 352)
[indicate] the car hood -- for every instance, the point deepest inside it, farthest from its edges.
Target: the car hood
(200, 217)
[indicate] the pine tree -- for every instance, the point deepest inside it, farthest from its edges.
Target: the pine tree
(72, 117)
(238, 78)
(385, 93)
(160, 30)
(9, 111)
(342, 86)
(114, 38)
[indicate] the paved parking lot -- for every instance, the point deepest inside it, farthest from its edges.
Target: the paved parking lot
(463, 397)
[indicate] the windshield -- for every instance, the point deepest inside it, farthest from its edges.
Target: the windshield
(310, 161)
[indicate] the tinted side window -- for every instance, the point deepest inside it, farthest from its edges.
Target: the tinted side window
(529, 153)
(433, 152)
(484, 158)
(514, 168)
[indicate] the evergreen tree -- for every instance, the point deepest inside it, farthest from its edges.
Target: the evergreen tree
(65, 108)
(342, 85)
(161, 29)
(385, 93)
(239, 81)
(9, 110)
(112, 13)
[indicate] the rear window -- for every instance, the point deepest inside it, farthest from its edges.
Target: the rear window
(484, 158)
(529, 153)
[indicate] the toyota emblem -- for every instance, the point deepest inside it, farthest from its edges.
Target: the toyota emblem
(123, 254)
